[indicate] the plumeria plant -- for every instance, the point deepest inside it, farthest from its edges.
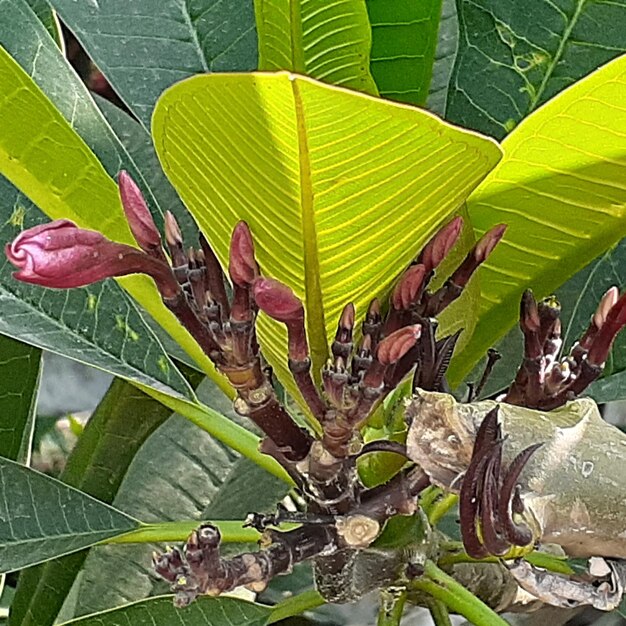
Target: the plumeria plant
(323, 244)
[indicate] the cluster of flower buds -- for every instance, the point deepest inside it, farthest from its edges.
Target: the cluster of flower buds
(355, 379)
(221, 317)
(545, 381)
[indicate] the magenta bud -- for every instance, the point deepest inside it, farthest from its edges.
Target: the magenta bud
(243, 268)
(392, 348)
(63, 256)
(137, 213)
(277, 300)
(407, 290)
(440, 245)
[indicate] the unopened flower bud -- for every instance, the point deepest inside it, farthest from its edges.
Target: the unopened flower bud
(63, 256)
(440, 245)
(243, 268)
(608, 301)
(407, 290)
(138, 215)
(392, 348)
(477, 255)
(488, 242)
(602, 342)
(277, 300)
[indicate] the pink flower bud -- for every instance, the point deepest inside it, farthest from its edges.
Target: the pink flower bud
(392, 348)
(406, 291)
(440, 245)
(63, 256)
(277, 300)
(243, 268)
(138, 215)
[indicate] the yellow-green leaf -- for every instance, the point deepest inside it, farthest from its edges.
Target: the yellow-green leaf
(330, 41)
(42, 155)
(561, 188)
(340, 189)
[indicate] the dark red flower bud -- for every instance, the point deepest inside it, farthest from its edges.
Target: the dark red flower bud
(392, 348)
(440, 245)
(277, 300)
(243, 268)
(63, 256)
(138, 215)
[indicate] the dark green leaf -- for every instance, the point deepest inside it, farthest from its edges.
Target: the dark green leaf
(247, 489)
(445, 54)
(143, 49)
(20, 369)
(513, 56)
(161, 612)
(41, 518)
(180, 473)
(47, 17)
(404, 39)
(329, 41)
(118, 427)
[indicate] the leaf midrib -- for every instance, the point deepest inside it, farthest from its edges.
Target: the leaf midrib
(557, 56)
(296, 38)
(315, 322)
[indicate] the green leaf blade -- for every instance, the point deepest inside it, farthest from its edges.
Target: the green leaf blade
(513, 58)
(161, 611)
(317, 172)
(20, 372)
(329, 41)
(558, 188)
(41, 518)
(97, 464)
(48, 18)
(445, 56)
(404, 40)
(57, 170)
(143, 51)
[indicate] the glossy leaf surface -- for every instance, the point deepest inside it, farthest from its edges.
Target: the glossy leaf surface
(42, 518)
(142, 49)
(55, 168)
(514, 56)
(20, 371)
(560, 189)
(340, 189)
(160, 611)
(329, 41)
(404, 40)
